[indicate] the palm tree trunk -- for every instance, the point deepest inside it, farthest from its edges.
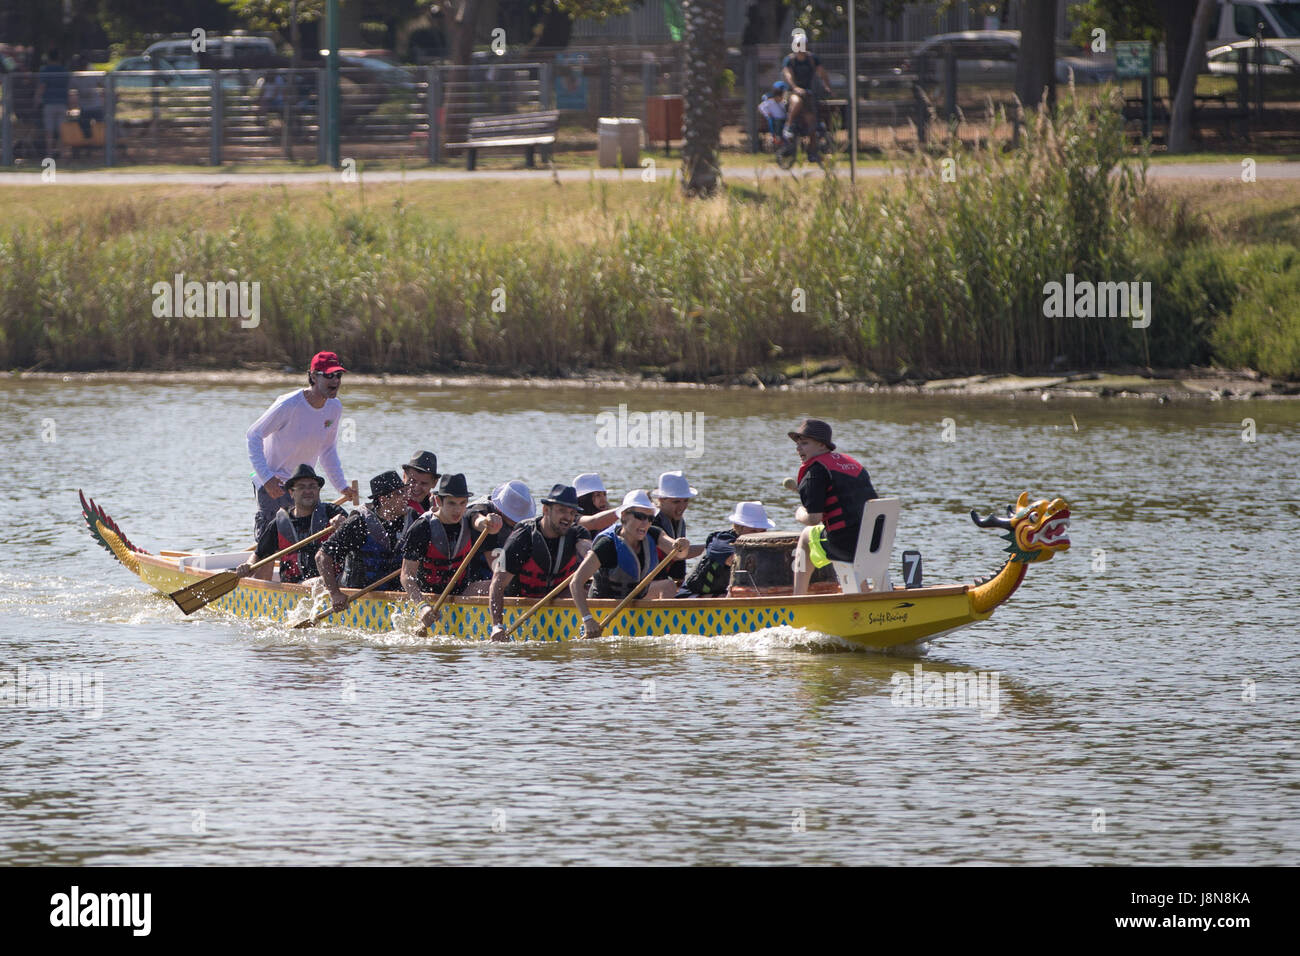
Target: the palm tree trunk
(705, 48)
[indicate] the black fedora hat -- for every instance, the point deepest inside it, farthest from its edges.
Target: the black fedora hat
(425, 461)
(563, 495)
(303, 472)
(452, 486)
(816, 429)
(385, 484)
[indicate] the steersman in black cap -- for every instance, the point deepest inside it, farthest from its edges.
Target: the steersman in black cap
(366, 548)
(833, 491)
(306, 516)
(435, 546)
(539, 554)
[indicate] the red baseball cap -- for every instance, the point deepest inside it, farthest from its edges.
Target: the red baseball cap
(326, 362)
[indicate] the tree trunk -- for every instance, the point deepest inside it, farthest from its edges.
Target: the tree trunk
(1178, 34)
(1180, 117)
(705, 54)
(1036, 62)
(461, 18)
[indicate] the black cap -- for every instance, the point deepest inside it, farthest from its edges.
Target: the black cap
(385, 484)
(425, 461)
(563, 495)
(452, 486)
(304, 472)
(816, 429)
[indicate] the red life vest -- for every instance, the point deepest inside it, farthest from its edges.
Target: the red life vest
(442, 557)
(850, 490)
(541, 572)
(291, 565)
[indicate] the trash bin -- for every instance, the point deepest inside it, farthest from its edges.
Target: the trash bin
(619, 138)
(663, 116)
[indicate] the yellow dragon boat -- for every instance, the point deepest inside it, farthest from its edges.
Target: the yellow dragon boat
(1035, 530)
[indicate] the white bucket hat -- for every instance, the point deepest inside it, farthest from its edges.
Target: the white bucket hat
(585, 484)
(514, 500)
(752, 515)
(636, 499)
(673, 484)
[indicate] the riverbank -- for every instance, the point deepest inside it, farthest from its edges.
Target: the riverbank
(941, 271)
(1198, 384)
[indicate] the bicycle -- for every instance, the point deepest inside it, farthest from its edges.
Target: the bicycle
(818, 142)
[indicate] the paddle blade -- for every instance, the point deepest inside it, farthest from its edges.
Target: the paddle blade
(200, 594)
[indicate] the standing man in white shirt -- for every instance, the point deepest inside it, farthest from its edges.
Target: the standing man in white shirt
(301, 427)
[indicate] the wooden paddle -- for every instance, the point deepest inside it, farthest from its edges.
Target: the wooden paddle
(460, 571)
(540, 604)
(632, 595)
(366, 590)
(200, 594)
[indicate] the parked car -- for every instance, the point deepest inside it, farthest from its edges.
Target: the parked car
(175, 74)
(1281, 58)
(1239, 21)
(236, 47)
(989, 56)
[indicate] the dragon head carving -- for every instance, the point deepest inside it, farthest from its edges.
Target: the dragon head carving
(1036, 529)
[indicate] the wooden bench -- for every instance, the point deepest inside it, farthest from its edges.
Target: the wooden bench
(512, 130)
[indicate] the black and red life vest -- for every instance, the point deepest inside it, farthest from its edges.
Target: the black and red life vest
(291, 565)
(848, 494)
(671, 529)
(541, 572)
(377, 556)
(442, 557)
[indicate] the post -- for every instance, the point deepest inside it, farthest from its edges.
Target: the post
(606, 77)
(433, 96)
(853, 95)
(1259, 73)
(322, 117)
(749, 70)
(1243, 80)
(110, 119)
(332, 69)
(950, 83)
(6, 123)
(647, 86)
(546, 95)
(215, 106)
(918, 99)
(1148, 94)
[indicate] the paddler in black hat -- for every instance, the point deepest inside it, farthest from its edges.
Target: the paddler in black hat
(833, 490)
(307, 516)
(421, 475)
(366, 544)
(435, 546)
(540, 553)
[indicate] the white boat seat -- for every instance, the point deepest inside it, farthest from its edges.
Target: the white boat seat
(869, 570)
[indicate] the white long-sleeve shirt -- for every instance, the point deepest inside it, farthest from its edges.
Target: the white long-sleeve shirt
(291, 433)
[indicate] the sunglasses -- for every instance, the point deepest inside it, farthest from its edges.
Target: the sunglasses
(330, 374)
(639, 515)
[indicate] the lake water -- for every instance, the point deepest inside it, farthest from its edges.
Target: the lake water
(1146, 709)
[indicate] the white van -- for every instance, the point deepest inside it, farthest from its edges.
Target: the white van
(1238, 19)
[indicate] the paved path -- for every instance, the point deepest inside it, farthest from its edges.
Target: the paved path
(1221, 171)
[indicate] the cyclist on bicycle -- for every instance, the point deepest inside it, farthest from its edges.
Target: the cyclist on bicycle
(800, 70)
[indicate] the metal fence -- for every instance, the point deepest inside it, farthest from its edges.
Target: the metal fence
(223, 116)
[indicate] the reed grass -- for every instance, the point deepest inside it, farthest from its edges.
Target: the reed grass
(917, 273)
